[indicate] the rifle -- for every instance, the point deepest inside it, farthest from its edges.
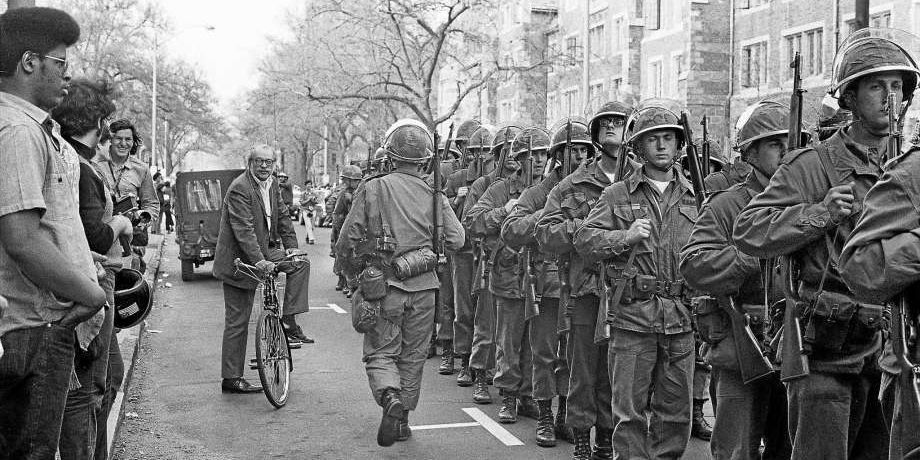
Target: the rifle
(565, 262)
(529, 278)
(792, 351)
(438, 185)
(705, 147)
(693, 160)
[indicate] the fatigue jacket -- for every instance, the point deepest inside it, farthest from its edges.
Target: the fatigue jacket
(790, 218)
(722, 180)
(460, 178)
(518, 233)
(486, 218)
(342, 206)
(403, 204)
(882, 256)
(602, 235)
(566, 206)
(132, 178)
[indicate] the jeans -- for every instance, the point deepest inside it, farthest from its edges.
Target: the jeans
(34, 378)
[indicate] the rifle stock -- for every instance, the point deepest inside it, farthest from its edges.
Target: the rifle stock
(706, 147)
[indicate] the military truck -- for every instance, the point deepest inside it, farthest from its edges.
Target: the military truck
(198, 198)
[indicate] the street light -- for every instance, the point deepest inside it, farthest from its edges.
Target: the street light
(153, 95)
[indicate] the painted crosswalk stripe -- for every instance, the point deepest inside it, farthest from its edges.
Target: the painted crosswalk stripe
(493, 427)
(445, 425)
(333, 307)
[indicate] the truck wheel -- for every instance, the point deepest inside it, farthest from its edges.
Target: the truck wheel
(188, 269)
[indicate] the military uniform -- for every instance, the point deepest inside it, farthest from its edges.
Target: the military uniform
(710, 262)
(394, 348)
(734, 173)
(790, 218)
(462, 269)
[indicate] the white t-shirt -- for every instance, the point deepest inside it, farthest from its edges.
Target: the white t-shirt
(660, 185)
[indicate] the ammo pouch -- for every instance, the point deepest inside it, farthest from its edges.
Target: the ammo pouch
(414, 263)
(373, 283)
(835, 319)
(365, 315)
(712, 322)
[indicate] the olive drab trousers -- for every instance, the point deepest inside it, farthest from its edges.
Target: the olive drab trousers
(464, 308)
(444, 315)
(395, 350)
(513, 357)
(589, 381)
(550, 371)
(748, 414)
(483, 357)
(651, 374)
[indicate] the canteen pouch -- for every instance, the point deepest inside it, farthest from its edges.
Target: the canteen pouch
(414, 263)
(365, 315)
(712, 323)
(373, 283)
(873, 317)
(829, 321)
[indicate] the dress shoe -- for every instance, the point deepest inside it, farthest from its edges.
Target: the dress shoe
(404, 432)
(238, 385)
(393, 412)
(481, 390)
(298, 333)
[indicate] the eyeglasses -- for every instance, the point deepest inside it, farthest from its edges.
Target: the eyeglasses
(263, 161)
(62, 61)
(611, 122)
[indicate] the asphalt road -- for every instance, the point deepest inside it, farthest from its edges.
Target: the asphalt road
(174, 408)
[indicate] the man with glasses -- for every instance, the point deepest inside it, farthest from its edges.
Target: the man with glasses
(255, 227)
(47, 273)
(129, 178)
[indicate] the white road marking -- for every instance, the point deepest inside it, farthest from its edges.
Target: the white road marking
(493, 427)
(333, 307)
(445, 425)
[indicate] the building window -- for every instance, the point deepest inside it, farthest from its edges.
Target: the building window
(880, 19)
(654, 79)
(653, 14)
(570, 101)
(677, 68)
(615, 88)
(617, 32)
(754, 65)
(745, 4)
(552, 108)
(810, 44)
(596, 96)
(598, 36)
(571, 49)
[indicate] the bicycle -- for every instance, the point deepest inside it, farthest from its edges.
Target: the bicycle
(273, 353)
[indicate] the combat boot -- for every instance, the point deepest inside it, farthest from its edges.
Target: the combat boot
(701, 428)
(582, 440)
(508, 412)
(447, 359)
(404, 432)
(481, 389)
(527, 407)
(393, 412)
(546, 437)
(465, 377)
(603, 444)
(562, 431)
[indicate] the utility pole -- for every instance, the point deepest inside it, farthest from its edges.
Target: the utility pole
(325, 153)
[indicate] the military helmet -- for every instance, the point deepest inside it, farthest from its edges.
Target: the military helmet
(609, 109)
(352, 172)
(408, 141)
(874, 50)
(533, 137)
(653, 115)
(714, 156)
(481, 138)
(762, 120)
(580, 134)
(507, 132)
(380, 154)
(466, 129)
(454, 151)
(133, 301)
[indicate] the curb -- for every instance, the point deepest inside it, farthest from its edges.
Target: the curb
(130, 339)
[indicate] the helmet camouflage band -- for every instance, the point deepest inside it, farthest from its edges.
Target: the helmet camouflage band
(653, 115)
(481, 138)
(609, 109)
(466, 129)
(508, 132)
(352, 172)
(762, 120)
(533, 137)
(874, 50)
(408, 141)
(579, 135)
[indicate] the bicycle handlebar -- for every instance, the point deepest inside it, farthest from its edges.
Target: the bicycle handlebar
(254, 271)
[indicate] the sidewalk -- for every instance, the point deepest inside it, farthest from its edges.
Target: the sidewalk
(130, 339)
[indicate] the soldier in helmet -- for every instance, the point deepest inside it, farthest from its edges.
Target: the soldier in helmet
(513, 358)
(638, 226)
(550, 374)
(390, 226)
(747, 415)
(482, 358)
(588, 401)
(462, 262)
(806, 214)
(351, 176)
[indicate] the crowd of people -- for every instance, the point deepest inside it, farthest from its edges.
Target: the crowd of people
(607, 289)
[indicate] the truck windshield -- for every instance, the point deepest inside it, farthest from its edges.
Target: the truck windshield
(203, 195)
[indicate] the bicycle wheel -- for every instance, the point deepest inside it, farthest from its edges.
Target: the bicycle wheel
(273, 359)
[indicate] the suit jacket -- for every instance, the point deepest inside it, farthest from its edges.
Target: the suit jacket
(244, 230)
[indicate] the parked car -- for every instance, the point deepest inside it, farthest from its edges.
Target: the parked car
(199, 196)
